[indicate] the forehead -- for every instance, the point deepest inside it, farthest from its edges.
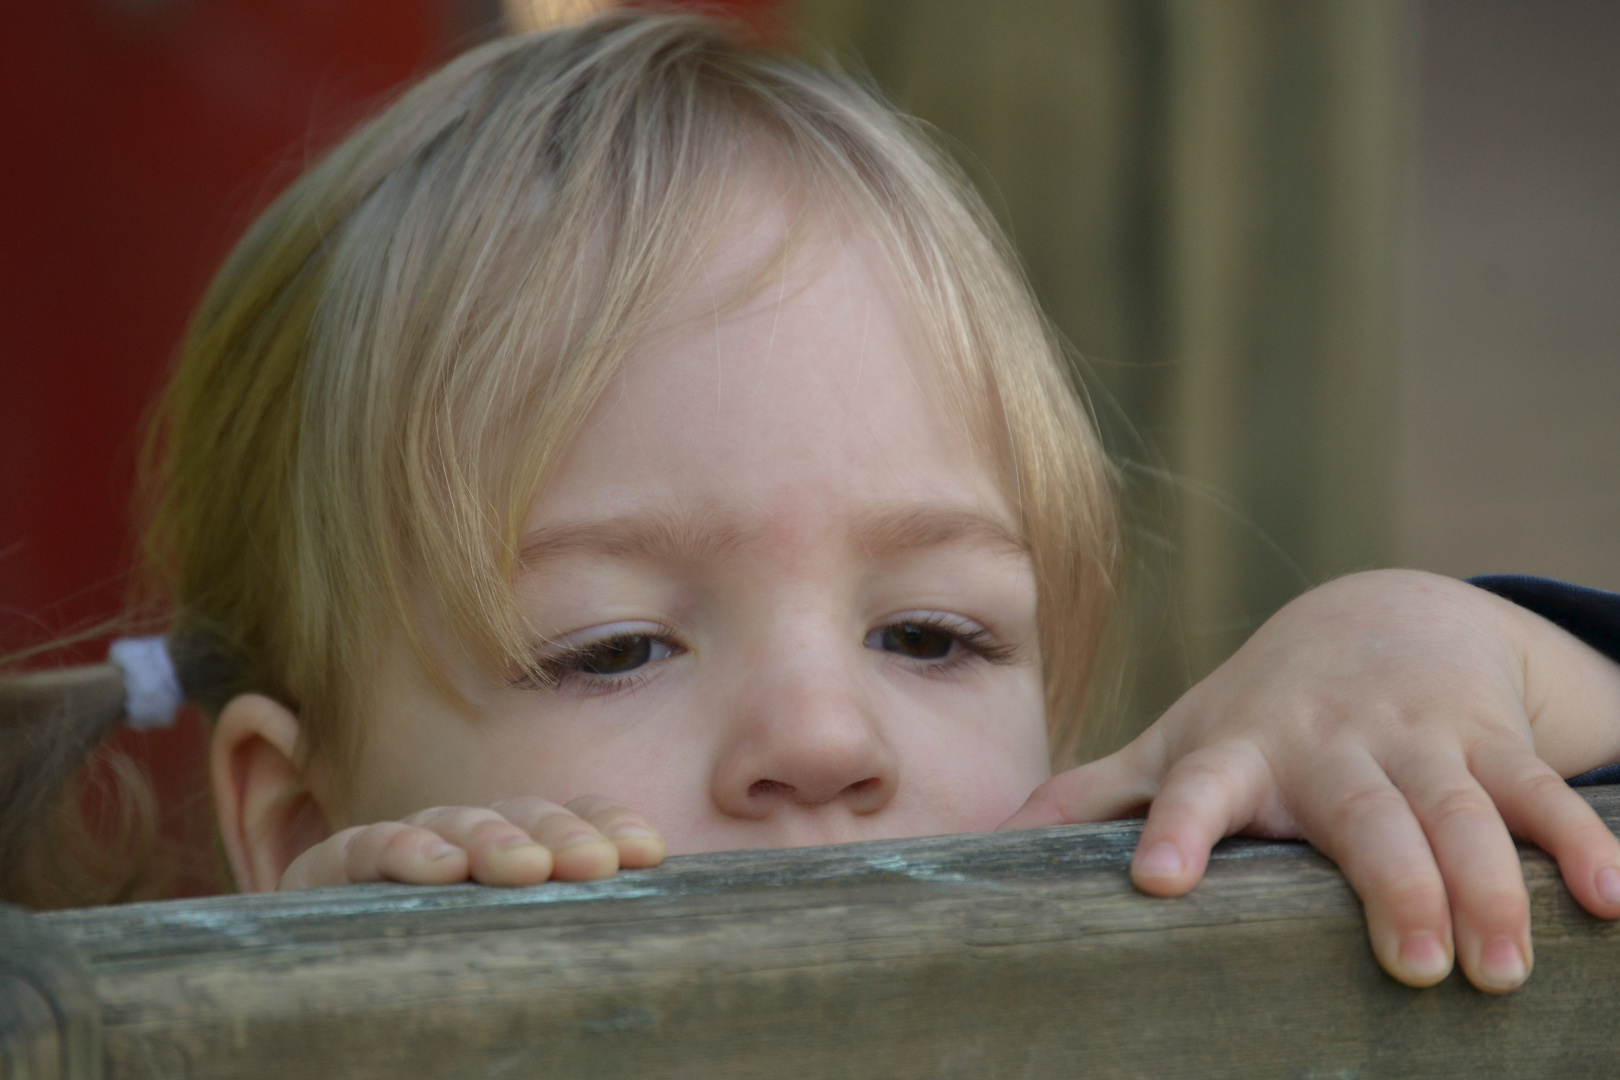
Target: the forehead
(788, 374)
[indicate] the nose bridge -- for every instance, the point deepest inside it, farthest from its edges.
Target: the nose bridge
(805, 734)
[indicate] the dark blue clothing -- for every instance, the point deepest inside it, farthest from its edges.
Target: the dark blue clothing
(1593, 615)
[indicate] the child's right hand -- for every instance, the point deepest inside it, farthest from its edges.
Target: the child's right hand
(520, 841)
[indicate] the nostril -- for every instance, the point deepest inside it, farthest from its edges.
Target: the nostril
(860, 793)
(761, 788)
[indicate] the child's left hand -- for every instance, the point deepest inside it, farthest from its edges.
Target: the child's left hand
(1405, 724)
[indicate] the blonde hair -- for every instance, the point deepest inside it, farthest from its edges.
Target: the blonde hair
(391, 361)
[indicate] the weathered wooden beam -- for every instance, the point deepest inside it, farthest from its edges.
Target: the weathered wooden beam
(1025, 954)
(50, 1020)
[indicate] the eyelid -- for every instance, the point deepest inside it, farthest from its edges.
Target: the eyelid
(945, 620)
(592, 635)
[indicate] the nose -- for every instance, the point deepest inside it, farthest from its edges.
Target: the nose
(804, 742)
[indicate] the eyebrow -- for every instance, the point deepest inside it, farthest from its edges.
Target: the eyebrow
(656, 536)
(891, 530)
(698, 536)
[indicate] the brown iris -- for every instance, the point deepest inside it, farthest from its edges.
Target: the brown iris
(916, 640)
(615, 655)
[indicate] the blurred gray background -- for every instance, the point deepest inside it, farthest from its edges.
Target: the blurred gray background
(1510, 385)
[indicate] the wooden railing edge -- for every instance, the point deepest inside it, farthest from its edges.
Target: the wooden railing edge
(894, 958)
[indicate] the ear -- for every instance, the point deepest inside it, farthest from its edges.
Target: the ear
(268, 815)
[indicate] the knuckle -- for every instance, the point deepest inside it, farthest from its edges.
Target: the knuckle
(1365, 801)
(492, 831)
(1066, 805)
(396, 838)
(524, 810)
(589, 805)
(367, 847)
(341, 840)
(1510, 903)
(1046, 804)
(1219, 759)
(1458, 801)
(557, 818)
(1342, 723)
(369, 838)
(1209, 772)
(1501, 909)
(607, 820)
(445, 818)
(1191, 796)
(425, 819)
(611, 815)
(560, 827)
(1416, 898)
(1544, 785)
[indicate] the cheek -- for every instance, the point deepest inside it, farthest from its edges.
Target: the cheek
(654, 772)
(968, 769)
(481, 764)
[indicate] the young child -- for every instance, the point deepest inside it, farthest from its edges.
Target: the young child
(633, 441)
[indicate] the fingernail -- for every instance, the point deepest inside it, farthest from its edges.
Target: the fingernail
(1423, 956)
(577, 839)
(441, 850)
(1608, 884)
(631, 832)
(512, 843)
(1501, 962)
(1161, 860)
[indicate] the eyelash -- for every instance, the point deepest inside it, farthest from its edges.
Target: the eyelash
(556, 670)
(977, 643)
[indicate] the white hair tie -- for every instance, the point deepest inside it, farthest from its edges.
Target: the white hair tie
(152, 693)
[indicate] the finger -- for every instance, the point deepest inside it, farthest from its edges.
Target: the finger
(1210, 793)
(579, 851)
(498, 851)
(1539, 806)
(1104, 790)
(389, 851)
(1360, 820)
(1490, 909)
(639, 844)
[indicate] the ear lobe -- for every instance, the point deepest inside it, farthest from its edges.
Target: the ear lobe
(268, 815)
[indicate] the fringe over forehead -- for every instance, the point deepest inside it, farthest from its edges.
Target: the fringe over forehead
(395, 357)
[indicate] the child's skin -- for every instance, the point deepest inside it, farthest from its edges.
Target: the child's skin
(813, 622)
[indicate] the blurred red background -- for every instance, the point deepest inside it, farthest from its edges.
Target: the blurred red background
(140, 138)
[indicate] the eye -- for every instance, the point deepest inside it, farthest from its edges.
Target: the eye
(615, 656)
(601, 658)
(939, 641)
(919, 641)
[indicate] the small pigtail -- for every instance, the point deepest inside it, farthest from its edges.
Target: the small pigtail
(55, 725)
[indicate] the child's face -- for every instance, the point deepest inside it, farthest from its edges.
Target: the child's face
(779, 597)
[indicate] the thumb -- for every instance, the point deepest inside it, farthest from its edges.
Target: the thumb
(1104, 790)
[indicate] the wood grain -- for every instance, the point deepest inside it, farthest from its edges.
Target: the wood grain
(49, 1015)
(1022, 954)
